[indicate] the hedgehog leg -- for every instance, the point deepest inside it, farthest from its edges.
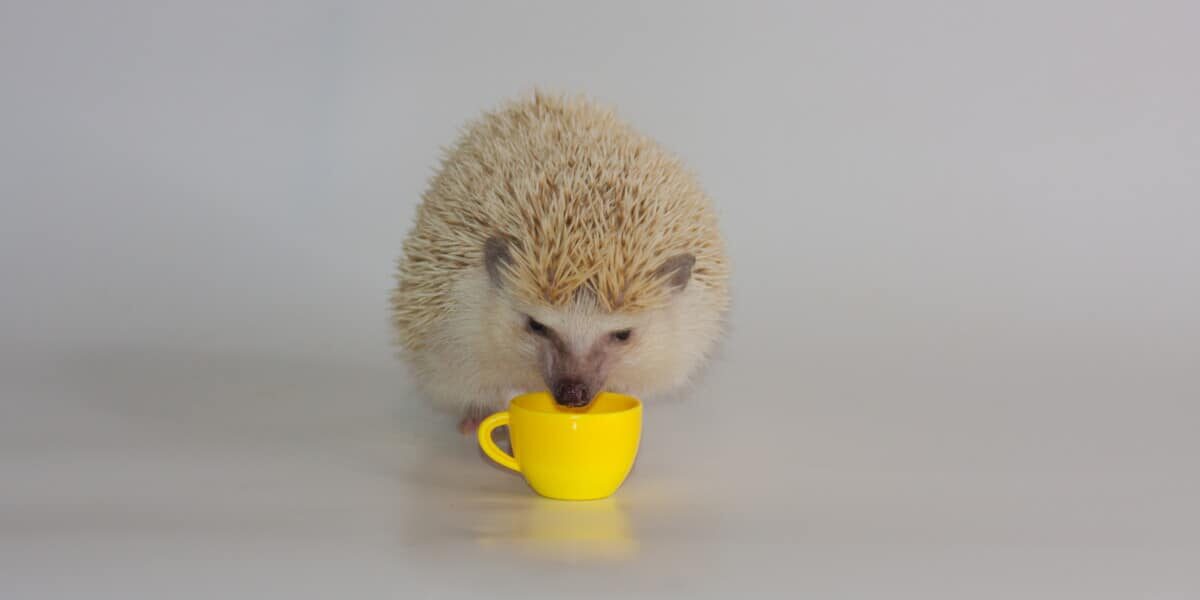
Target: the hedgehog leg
(472, 416)
(468, 425)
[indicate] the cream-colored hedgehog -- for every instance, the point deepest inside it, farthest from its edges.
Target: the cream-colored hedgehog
(557, 248)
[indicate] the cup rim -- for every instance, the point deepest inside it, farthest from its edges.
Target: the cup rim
(575, 413)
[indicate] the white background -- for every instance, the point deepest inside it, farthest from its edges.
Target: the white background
(963, 359)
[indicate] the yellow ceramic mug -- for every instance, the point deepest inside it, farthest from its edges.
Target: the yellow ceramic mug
(568, 453)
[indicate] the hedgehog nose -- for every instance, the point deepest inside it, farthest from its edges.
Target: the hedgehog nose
(571, 392)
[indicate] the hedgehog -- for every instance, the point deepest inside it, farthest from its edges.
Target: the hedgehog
(557, 249)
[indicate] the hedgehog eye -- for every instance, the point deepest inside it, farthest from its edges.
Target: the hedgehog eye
(536, 327)
(622, 335)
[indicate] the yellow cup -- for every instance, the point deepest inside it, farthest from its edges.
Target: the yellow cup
(568, 453)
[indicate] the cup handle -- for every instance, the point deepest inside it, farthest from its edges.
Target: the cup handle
(489, 446)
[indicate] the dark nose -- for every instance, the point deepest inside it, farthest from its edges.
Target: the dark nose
(571, 392)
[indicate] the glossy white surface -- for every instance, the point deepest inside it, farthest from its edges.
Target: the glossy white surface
(963, 355)
(186, 475)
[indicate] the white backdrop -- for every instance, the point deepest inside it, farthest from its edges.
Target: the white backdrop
(964, 234)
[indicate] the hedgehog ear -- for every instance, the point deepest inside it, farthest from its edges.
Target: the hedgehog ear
(677, 270)
(497, 252)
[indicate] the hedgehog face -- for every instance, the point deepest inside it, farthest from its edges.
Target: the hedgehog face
(581, 349)
(576, 347)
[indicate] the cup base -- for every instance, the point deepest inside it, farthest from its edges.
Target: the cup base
(572, 497)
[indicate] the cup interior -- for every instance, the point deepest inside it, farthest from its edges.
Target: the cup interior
(606, 403)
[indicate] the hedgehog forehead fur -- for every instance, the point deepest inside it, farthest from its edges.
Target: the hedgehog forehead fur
(585, 205)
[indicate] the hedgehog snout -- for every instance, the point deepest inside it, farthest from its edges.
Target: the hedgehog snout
(572, 392)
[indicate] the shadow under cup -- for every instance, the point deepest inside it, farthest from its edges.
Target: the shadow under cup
(568, 453)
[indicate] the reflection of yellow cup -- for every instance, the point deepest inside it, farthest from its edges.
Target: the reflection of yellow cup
(568, 453)
(559, 531)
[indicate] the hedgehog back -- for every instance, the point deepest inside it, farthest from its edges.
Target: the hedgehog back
(586, 204)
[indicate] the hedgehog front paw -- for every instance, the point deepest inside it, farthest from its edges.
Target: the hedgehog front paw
(469, 424)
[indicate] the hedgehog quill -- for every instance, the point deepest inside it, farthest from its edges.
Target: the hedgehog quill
(557, 248)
